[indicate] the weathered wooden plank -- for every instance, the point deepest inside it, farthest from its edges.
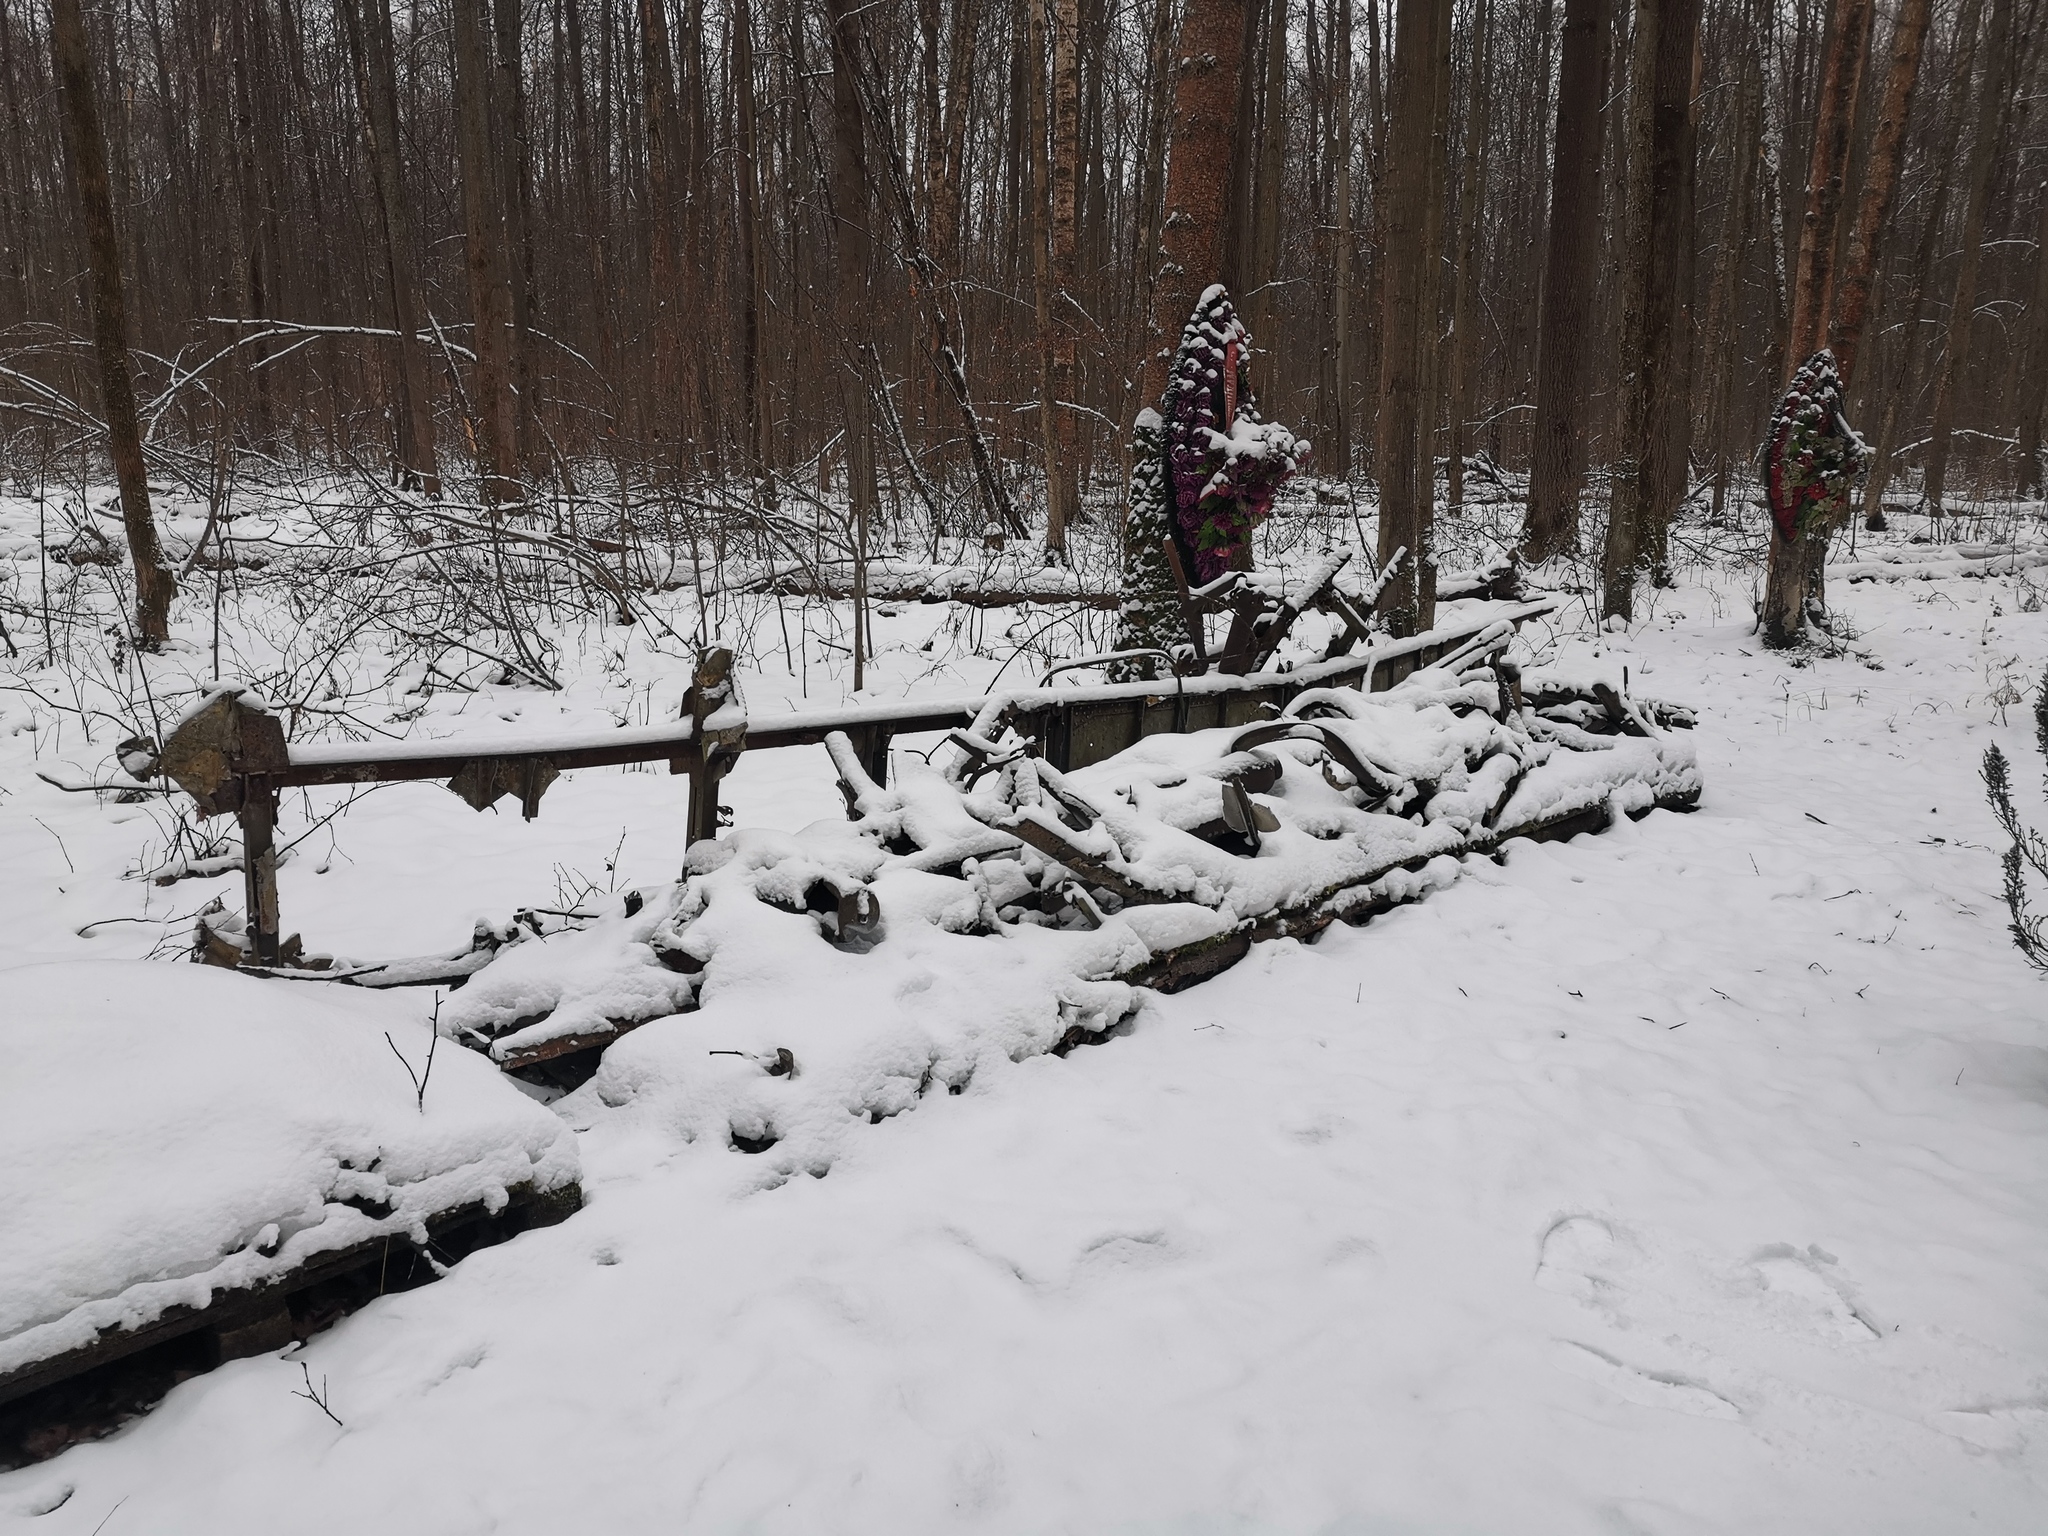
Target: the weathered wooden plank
(88, 1391)
(345, 763)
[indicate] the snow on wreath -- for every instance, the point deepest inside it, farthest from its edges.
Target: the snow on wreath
(1225, 463)
(1811, 455)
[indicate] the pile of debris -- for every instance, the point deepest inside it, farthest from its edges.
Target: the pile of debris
(1156, 867)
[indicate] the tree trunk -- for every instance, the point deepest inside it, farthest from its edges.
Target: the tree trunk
(252, 269)
(1401, 457)
(1723, 330)
(71, 57)
(1063, 488)
(1621, 555)
(2034, 377)
(854, 242)
(14, 218)
(1570, 284)
(1668, 318)
(1813, 280)
(1880, 184)
(1906, 386)
(370, 47)
(1146, 256)
(1465, 301)
(490, 295)
(1198, 175)
(1792, 586)
(1429, 312)
(1962, 308)
(664, 274)
(1041, 274)
(1336, 444)
(947, 160)
(514, 197)
(1272, 171)
(753, 256)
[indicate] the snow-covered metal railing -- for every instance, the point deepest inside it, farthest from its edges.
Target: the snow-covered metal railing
(229, 753)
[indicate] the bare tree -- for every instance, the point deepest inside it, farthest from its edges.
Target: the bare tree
(71, 54)
(1962, 308)
(1841, 80)
(2034, 380)
(490, 283)
(1064, 464)
(1880, 185)
(1205, 96)
(1465, 303)
(1620, 555)
(851, 214)
(370, 48)
(1402, 458)
(1570, 281)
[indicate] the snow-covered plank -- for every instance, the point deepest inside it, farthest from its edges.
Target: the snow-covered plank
(443, 757)
(184, 1149)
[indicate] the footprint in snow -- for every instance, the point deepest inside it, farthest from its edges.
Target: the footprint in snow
(1647, 1389)
(2000, 1428)
(1125, 1251)
(1799, 1291)
(1582, 1255)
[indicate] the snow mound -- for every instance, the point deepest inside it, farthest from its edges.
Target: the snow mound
(167, 1132)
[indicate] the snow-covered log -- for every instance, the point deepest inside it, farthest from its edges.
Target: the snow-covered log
(205, 1164)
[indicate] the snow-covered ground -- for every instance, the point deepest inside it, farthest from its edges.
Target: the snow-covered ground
(1687, 1178)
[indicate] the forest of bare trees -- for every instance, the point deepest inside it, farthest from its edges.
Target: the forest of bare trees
(932, 249)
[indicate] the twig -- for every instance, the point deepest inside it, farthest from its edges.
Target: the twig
(60, 842)
(420, 1079)
(317, 1399)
